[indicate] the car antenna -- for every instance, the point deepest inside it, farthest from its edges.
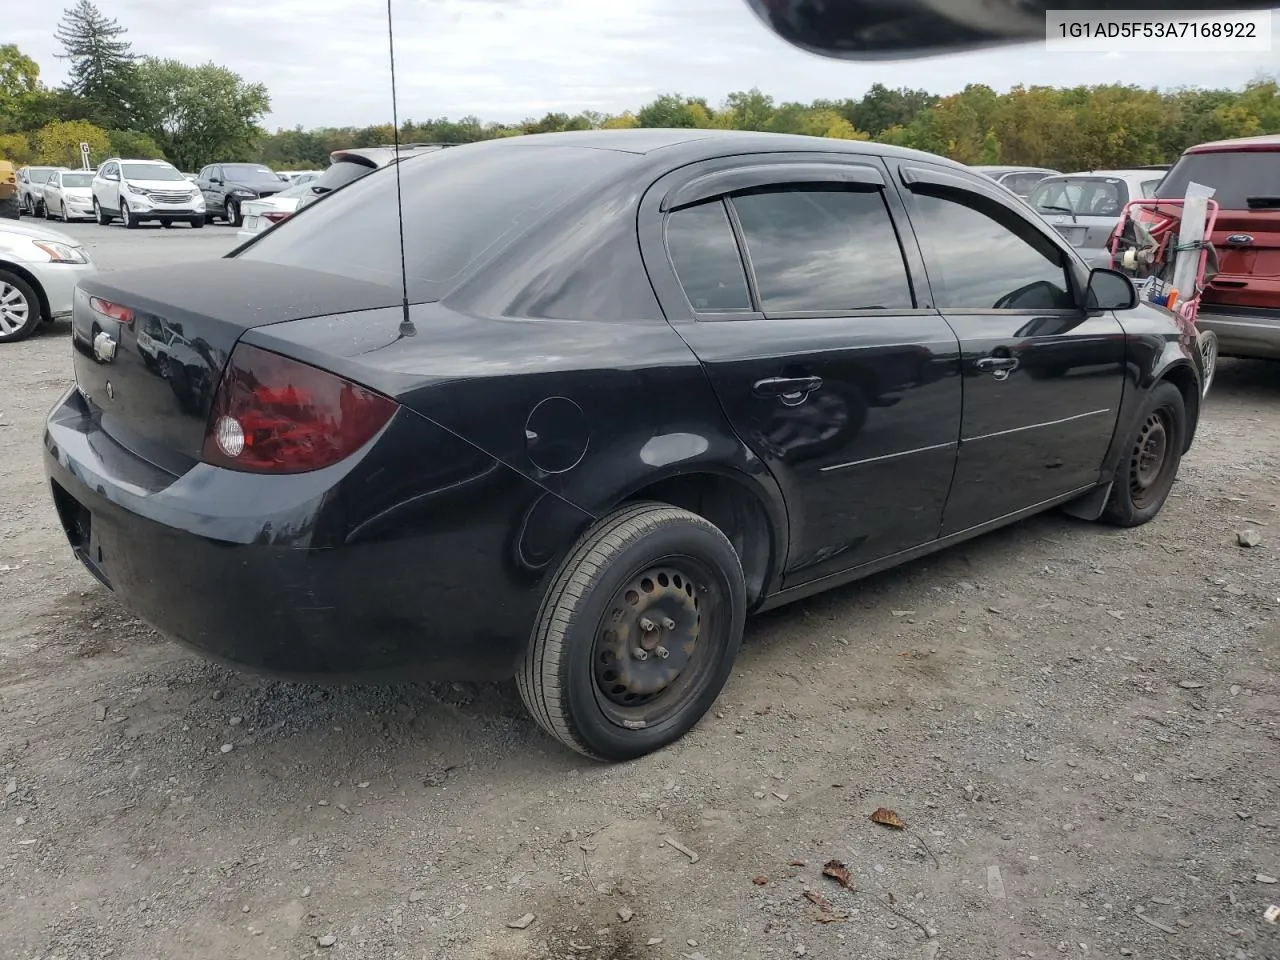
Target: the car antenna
(407, 329)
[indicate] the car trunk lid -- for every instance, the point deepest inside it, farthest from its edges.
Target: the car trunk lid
(1248, 247)
(150, 345)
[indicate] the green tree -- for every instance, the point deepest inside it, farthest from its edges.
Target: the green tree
(102, 64)
(58, 143)
(133, 145)
(19, 85)
(200, 115)
(15, 147)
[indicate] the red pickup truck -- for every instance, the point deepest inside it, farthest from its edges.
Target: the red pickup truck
(1242, 303)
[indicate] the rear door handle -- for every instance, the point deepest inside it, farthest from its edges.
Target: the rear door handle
(790, 388)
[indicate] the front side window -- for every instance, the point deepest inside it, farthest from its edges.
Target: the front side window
(705, 256)
(823, 249)
(981, 257)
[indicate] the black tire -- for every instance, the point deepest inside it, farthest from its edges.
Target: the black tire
(127, 218)
(233, 213)
(15, 291)
(1149, 464)
(102, 218)
(197, 223)
(10, 209)
(646, 560)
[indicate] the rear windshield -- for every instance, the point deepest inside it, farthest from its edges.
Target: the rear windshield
(342, 173)
(1084, 196)
(461, 206)
(1235, 177)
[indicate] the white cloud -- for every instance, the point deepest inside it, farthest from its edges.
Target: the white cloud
(325, 61)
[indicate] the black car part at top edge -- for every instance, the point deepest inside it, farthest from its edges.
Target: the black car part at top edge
(905, 29)
(538, 395)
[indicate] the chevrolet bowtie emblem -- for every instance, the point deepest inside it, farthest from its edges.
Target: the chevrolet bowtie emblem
(104, 348)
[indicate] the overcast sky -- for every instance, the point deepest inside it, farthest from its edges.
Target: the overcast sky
(325, 61)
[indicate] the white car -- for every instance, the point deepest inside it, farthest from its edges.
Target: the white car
(68, 195)
(39, 270)
(299, 176)
(268, 211)
(136, 191)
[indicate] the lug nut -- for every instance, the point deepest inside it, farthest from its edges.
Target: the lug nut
(662, 652)
(668, 623)
(647, 625)
(640, 654)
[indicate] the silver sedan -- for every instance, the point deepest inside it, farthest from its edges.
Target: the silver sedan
(39, 270)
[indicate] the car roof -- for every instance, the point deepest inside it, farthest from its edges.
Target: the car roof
(1108, 175)
(1014, 168)
(1270, 141)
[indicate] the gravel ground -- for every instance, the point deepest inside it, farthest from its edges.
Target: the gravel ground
(1079, 726)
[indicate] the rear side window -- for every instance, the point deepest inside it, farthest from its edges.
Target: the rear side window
(705, 256)
(980, 257)
(461, 206)
(341, 173)
(819, 249)
(1235, 177)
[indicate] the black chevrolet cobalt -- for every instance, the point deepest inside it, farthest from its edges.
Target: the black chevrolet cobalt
(651, 381)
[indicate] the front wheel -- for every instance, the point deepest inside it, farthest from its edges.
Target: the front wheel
(126, 215)
(1152, 454)
(197, 223)
(637, 633)
(98, 215)
(19, 308)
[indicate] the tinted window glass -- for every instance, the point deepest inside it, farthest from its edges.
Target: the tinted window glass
(705, 256)
(460, 207)
(1149, 187)
(77, 179)
(1023, 183)
(1235, 177)
(1085, 196)
(979, 263)
(342, 173)
(828, 249)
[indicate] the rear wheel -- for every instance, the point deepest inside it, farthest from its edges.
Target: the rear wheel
(637, 634)
(19, 307)
(1152, 455)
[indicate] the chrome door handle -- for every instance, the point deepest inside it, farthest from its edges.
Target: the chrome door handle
(788, 389)
(998, 367)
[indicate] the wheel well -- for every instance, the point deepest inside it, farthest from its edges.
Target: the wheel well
(732, 507)
(1184, 379)
(32, 282)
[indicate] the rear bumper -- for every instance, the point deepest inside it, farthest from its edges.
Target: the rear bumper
(1243, 333)
(360, 570)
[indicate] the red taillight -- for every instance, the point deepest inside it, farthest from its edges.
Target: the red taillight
(275, 216)
(115, 311)
(276, 415)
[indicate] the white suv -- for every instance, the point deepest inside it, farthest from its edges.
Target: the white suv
(136, 191)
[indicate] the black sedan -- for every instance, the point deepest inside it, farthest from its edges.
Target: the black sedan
(227, 186)
(648, 382)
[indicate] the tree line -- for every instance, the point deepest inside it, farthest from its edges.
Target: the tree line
(124, 104)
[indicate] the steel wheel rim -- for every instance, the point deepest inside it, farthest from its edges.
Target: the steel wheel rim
(125, 214)
(14, 309)
(1149, 461)
(634, 684)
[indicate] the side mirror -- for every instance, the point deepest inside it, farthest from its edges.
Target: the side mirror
(215, 180)
(1110, 290)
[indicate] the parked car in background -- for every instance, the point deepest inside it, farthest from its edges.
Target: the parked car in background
(193, 177)
(822, 358)
(31, 181)
(346, 166)
(300, 176)
(138, 191)
(1242, 302)
(9, 208)
(1019, 180)
(68, 195)
(39, 270)
(262, 214)
(1085, 207)
(226, 186)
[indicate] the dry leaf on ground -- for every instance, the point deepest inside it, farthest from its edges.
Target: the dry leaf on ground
(838, 872)
(888, 818)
